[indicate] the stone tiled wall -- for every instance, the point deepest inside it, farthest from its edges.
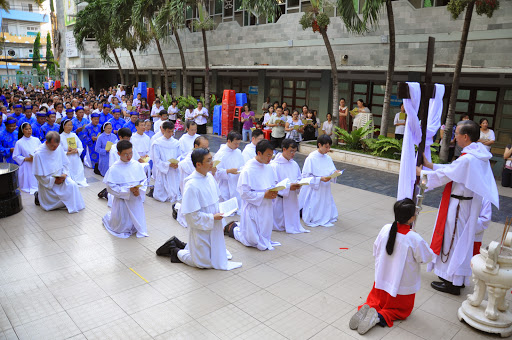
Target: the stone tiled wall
(489, 45)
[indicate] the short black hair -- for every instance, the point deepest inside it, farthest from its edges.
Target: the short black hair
(483, 120)
(198, 155)
(198, 140)
(323, 139)
(257, 133)
(264, 145)
(162, 112)
(190, 123)
(168, 125)
(289, 143)
(124, 132)
(470, 128)
(139, 121)
(234, 135)
(123, 145)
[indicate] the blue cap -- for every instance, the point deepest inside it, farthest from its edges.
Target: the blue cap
(69, 110)
(134, 113)
(28, 107)
(41, 114)
(51, 113)
(18, 106)
(78, 108)
(10, 120)
(95, 115)
(106, 105)
(116, 110)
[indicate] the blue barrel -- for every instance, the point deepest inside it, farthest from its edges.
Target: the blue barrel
(217, 119)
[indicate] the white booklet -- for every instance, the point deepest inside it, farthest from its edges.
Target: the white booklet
(229, 207)
(305, 181)
(281, 185)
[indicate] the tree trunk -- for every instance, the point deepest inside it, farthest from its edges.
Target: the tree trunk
(118, 64)
(166, 76)
(334, 76)
(447, 137)
(206, 74)
(134, 67)
(183, 64)
(391, 70)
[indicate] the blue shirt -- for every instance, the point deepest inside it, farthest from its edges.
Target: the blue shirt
(91, 131)
(7, 141)
(2, 98)
(130, 126)
(80, 124)
(18, 118)
(45, 129)
(2, 127)
(31, 120)
(105, 118)
(116, 123)
(149, 133)
(36, 130)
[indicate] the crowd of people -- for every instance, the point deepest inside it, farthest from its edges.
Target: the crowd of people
(53, 136)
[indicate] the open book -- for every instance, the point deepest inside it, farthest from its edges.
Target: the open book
(71, 143)
(173, 161)
(336, 174)
(401, 116)
(215, 163)
(228, 207)
(305, 181)
(108, 146)
(281, 185)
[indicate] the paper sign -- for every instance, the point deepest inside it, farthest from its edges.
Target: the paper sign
(108, 146)
(71, 143)
(228, 207)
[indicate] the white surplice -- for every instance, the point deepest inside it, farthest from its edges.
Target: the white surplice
(315, 199)
(185, 168)
(399, 273)
(206, 247)
(76, 167)
(127, 215)
(114, 157)
(187, 142)
(23, 148)
(167, 179)
(141, 143)
(54, 196)
(286, 207)
(472, 177)
(249, 152)
(256, 218)
(229, 159)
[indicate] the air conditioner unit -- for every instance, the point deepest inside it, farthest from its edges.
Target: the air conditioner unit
(11, 53)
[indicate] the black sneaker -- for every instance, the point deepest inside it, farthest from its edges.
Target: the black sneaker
(179, 243)
(103, 194)
(150, 192)
(174, 255)
(174, 212)
(36, 198)
(165, 249)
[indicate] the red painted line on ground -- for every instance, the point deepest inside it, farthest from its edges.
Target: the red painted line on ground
(344, 248)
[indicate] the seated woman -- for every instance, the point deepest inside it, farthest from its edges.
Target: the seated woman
(398, 252)
(23, 154)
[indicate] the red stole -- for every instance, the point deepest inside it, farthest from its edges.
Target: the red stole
(437, 239)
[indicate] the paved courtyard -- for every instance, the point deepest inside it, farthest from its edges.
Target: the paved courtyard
(63, 276)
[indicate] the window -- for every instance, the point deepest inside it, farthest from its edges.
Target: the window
(30, 9)
(478, 103)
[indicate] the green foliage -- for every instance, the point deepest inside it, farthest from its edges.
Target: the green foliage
(185, 102)
(356, 23)
(434, 152)
(306, 20)
(487, 7)
(36, 57)
(427, 3)
(383, 147)
(49, 56)
(353, 140)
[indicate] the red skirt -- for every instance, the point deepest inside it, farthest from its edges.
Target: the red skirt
(391, 308)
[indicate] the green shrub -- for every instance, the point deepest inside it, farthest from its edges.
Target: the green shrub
(353, 140)
(383, 147)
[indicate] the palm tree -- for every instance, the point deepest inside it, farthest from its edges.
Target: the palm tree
(370, 20)
(143, 16)
(171, 14)
(90, 22)
(456, 7)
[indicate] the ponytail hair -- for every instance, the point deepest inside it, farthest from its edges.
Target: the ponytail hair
(404, 210)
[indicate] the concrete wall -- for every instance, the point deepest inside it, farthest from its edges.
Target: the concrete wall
(286, 44)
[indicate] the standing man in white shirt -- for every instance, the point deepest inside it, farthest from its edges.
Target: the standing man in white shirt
(400, 123)
(200, 115)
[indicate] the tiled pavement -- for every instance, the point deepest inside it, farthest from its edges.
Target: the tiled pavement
(63, 276)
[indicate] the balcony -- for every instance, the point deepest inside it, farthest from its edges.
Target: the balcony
(22, 13)
(17, 39)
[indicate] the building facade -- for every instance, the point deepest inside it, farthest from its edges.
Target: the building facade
(20, 26)
(280, 60)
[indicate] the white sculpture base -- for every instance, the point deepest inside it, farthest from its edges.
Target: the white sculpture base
(475, 317)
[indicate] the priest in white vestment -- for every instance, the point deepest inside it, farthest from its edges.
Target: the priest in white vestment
(206, 247)
(140, 140)
(23, 154)
(469, 182)
(228, 170)
(126, 134)
(186, 168)
(56, 189)
(69, 138)
(249, 151)
(167, 178)
(286, 204)
(257, 217)
(315, 199)
(187, 139)
(126, 182)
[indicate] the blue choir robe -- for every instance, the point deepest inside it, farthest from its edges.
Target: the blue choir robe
(7, 141)
(105, 118)
(116, 123)
(80, 124)
(47, 128)
(36, 130)
(149, 133)
(101, 143)
(30, 120)
(18, 118)
(92, 131)
(131, 126)
(2, 127)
